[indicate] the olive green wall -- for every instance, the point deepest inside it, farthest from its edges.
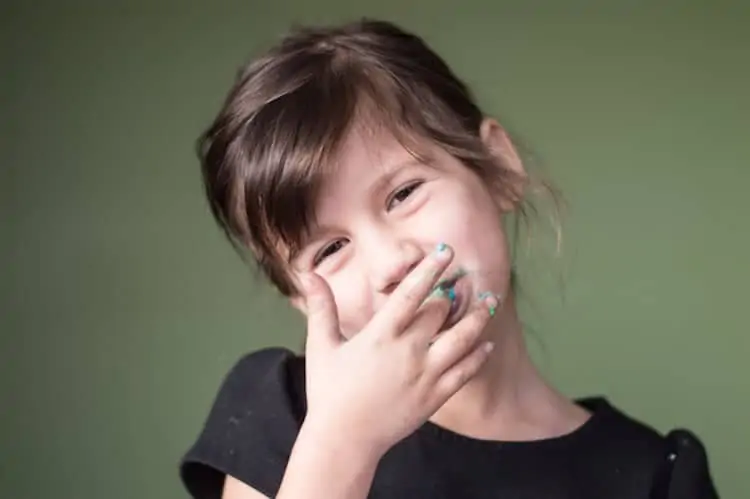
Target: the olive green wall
(123, 306)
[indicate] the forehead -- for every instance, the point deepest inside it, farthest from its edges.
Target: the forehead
(365, 156)
(369, 152)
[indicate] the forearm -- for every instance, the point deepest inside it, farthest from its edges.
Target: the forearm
(325, 466)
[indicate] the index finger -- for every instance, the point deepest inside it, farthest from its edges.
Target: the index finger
(400, 308)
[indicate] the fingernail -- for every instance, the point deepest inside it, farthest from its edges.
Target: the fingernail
(443, 251)
(490, 300)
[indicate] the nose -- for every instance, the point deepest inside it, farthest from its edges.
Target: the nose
(391, 260)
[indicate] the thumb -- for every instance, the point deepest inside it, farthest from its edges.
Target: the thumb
(322, 316)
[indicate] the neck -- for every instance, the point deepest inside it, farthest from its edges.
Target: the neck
(509, 399)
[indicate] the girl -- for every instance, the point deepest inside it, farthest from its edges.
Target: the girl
(360, 174)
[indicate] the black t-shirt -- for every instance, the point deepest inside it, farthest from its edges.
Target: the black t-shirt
(260, 407)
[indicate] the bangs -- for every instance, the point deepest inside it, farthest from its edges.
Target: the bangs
(291, 147)
(271, 149)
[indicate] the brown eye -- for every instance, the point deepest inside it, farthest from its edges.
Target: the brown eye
(402, 194)
(328, 250)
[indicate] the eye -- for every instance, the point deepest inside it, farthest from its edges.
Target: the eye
(401, 194)
(328, 250)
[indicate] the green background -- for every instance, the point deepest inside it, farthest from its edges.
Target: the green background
(123, 307)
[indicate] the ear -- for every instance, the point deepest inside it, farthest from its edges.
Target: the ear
(498, 142)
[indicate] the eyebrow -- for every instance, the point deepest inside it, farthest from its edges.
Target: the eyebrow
(316, 231)
(393, 170)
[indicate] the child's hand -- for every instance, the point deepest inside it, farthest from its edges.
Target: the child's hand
(382, 384)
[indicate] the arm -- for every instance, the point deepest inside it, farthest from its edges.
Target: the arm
(690, 474)
(685, 472)
(327, 466)
(234, 489)
(321, 466)
(370, 391)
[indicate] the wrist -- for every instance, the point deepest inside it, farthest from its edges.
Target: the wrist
(326, 464)
(339, 442)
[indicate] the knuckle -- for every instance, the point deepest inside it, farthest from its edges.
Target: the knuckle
(467, 336)
(372, 340)
(415, 351)
(378, 342)
(312, 301)
(458, 378)
(427, 395)
(479, 318)
(464, 339)
(318, 305)
(412, 293)
(414, 375)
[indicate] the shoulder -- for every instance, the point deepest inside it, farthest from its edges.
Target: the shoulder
(686, 473)
(675, 462)
(251, 426)
(623, 431)
(273, 376)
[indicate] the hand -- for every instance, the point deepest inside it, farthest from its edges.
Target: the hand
(378, 387)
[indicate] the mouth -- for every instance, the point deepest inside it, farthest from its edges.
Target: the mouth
(456, 289)
(448, 282)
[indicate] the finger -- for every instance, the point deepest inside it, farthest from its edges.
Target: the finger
(430, 317)
(322, 317)
(400, 308)
(463, 371)
(459, 341)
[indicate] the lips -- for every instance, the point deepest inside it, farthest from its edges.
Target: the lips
(456, 289)
(450, 281)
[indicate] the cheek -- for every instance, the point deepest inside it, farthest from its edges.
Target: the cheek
(471, 223)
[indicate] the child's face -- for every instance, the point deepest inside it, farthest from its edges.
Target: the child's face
(383, 211)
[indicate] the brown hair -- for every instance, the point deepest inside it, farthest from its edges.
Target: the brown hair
(273, 142)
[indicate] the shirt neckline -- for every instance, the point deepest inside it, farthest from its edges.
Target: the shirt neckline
(598, 407)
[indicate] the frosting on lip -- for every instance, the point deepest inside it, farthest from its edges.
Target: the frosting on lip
(458, 294)
(450, 281)
(452, 288)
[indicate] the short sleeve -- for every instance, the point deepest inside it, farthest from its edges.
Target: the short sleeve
(251, 428)
(685, 473)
